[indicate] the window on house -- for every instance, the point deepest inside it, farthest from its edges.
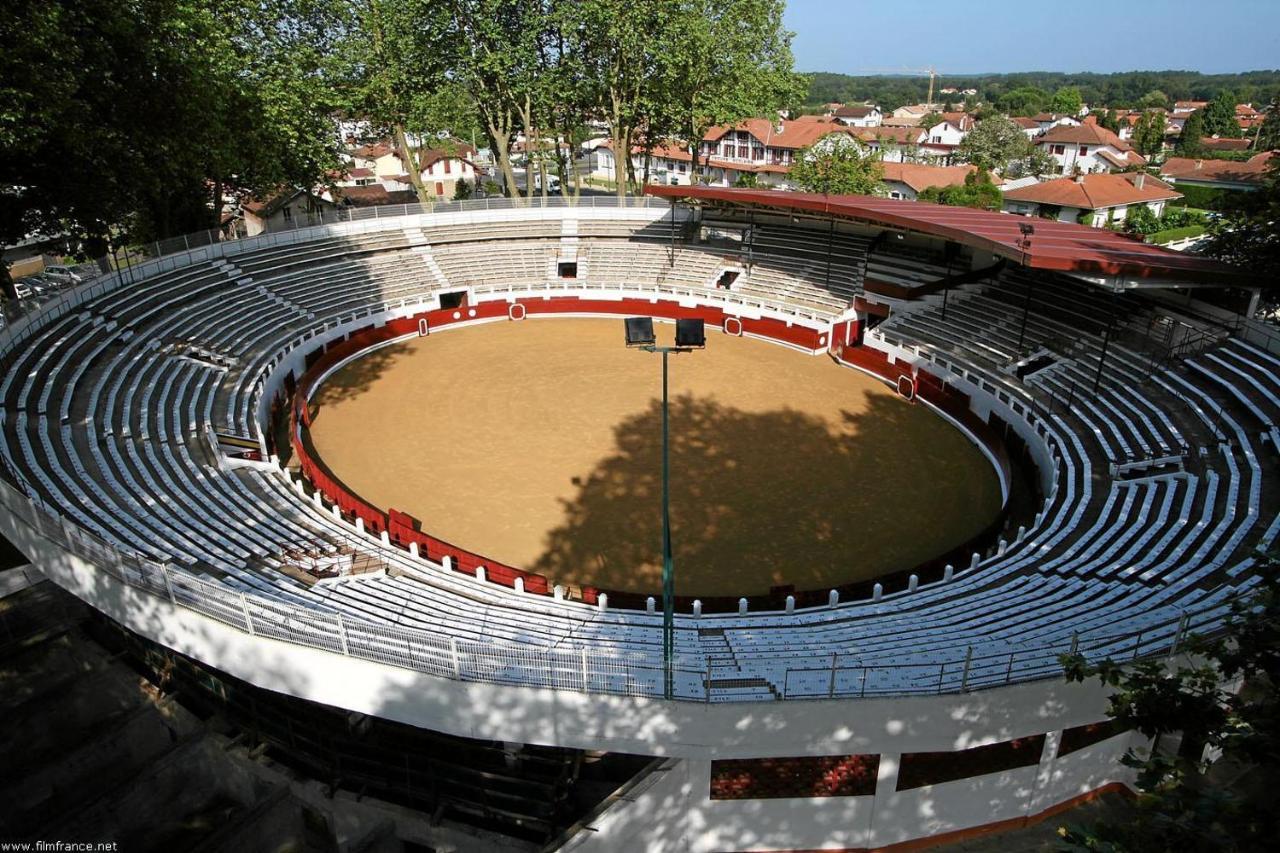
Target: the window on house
(1084, 150)
(1058, 149)
(446, 166)
(757, 153)
(935, 139)
(287, 213)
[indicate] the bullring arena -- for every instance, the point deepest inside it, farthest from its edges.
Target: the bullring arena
(403, 467)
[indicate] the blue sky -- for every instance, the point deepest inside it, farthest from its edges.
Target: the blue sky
(973, 36)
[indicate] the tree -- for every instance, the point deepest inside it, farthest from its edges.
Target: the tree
(1180, 806)
(1220, 116)
(930, 119)
(1023, 101)
(726, 60)
(1148, 133)
(838, 164)
(130, 122)
(994, 144)
(1067, 101)
(1141, 220)
(977, 191)
(1155, 99)
(747, 180)
(1268, 138)
(461, 190)
(1189, 144)
(1247, 235)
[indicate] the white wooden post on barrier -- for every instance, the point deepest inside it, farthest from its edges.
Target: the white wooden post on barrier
(413, 550)
(337, 512)
(948, 572)
(453, 656)
(833, 598)
(480, 575)
(602, 602)
(913, 582)
(168, 583)
(519, 584)
(248, 620)
(385, 537)
(558, 591)
(791, 604)
(446, 563)
(359, 525)
(742, 607)
(877, 592)
(649, 605)
(342, 634)
(1001, 546)
(697, 607)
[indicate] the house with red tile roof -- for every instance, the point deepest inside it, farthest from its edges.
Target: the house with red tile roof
(1219, 174)
(945, 137)
(1087, 147)
(440, 167)
(1096, 199)
(908, 180)
(858, 115)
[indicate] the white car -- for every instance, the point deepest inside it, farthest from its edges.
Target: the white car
(66, 275)
(553, 183)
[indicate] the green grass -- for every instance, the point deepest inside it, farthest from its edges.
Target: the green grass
(1173, 234)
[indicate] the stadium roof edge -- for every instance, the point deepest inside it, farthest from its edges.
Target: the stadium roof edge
(1103, 257)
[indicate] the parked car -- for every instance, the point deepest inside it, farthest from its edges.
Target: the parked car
(22, 289)
(42, 285)
(66, 275)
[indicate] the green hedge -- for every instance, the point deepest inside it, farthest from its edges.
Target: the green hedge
(1175, 234)
(1207, 198)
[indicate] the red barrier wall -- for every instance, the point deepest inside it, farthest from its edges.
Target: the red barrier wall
(402, 529)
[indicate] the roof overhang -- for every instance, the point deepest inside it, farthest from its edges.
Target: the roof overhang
(1092, 253)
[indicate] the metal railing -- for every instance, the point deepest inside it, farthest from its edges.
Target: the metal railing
(700, 678)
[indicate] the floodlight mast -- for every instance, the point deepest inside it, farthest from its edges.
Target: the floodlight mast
(637, 338)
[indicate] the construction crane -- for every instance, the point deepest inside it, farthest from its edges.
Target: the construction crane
(931, 71)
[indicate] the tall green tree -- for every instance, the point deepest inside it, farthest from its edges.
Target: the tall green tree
(1220, 116)
(1023, 101)
(1148, 133)
(995, 143)
(1248, 236)
(1193, 131)
(1067, 101)
(725, 61)
(838, 164)
(1268, 133)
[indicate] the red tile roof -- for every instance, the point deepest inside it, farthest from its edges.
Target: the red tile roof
(1213, 143)
(920, 176)
(854, 111)
(1252, 171)
(1096, 191)
(1084, 134)
(793, 134)
(1055, 245)
(1026, 123)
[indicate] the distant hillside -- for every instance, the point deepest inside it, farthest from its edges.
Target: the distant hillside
(1123, 89)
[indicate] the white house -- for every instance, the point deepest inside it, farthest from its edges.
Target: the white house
(859, 115)
(1087, 147)
(943, 138)
(908, 180)
(441, 168)
(1092, 199)
(287, 209)
(1048, 120)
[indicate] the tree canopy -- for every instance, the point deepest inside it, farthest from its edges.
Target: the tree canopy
(838, 164)
(1220, 116)
(1066, 100)
(998, 143)
(1148, 133)
(1179, 805)
(977, 191)
(1189, 144)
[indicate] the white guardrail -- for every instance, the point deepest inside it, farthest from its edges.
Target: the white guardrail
(696, 678)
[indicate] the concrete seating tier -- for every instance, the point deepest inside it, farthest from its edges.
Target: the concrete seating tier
(106, 414)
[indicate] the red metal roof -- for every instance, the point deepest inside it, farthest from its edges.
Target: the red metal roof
(1062, 246)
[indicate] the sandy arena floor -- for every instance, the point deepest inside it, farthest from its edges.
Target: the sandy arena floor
(538, 444)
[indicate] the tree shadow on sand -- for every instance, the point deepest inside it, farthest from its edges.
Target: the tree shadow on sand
(886, 489)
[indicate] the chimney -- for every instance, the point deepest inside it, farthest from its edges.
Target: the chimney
(1079, 177)
(1139, 179)
(778, 128)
